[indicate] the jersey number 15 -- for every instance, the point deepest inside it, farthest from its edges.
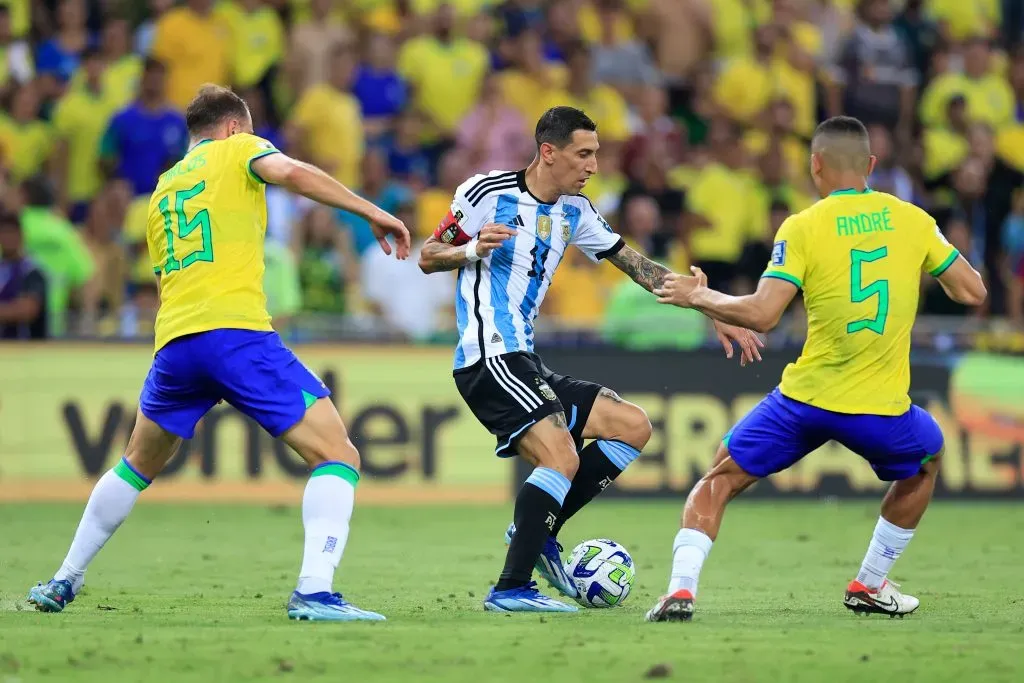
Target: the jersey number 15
(859, 293)
(185, 227)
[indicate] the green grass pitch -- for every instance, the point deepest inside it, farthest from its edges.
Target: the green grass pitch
(197, 593)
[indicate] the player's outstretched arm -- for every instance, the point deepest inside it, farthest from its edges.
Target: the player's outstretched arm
(437, 256)
(651, 276)
(310, 181)
(760, 311)
(963, 283)
(639, 268)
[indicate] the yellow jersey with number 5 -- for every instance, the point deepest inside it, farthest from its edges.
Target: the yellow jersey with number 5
(206, 225)
(858, 256)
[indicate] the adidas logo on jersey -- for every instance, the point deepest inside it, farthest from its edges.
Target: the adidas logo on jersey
(518, 220)
(496, 338)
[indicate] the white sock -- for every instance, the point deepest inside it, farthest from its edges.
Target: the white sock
(887, 544)
(689, 551)
(109, 504)
(326, 511)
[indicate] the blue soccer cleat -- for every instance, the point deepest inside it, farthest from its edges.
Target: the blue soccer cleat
(326, 606)
(524, 599)
(53, 597)
(549, 565)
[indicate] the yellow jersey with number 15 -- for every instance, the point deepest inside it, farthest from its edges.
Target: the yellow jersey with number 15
(858, 256)
(206, 225)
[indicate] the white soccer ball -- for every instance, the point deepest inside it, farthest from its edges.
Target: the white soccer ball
(602, 571)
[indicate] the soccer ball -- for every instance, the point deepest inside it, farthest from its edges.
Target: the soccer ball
(602, 571)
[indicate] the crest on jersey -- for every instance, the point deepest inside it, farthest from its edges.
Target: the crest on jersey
(545, 389)
(566, 231)
(779, 253)
(544, 227)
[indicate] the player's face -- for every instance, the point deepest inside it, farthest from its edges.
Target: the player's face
(573, 165)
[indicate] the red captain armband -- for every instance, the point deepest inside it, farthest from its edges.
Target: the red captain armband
(449, 231)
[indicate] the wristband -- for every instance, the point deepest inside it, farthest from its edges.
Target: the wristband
(471, 254)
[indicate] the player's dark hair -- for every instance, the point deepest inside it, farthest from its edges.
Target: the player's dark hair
(557, 125)
(842, 125)
(212, 105)
(844, 142)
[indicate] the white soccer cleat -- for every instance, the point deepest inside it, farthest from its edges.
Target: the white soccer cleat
(886, 600)
(677, 606)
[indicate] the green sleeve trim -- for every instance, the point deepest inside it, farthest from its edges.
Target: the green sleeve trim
(944, 266)
(252, 173)
(785, 276)
(156, 270)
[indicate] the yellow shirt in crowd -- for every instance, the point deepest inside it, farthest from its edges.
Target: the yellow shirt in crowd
(26, 146)
(445, 77)
(257, 41)
(195, 50)
(80, 119)
(333, 125)
(989, 99)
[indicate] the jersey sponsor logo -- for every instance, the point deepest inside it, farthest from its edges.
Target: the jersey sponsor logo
(566, 230)
(779, 253)
(496, 338)
(544, 227)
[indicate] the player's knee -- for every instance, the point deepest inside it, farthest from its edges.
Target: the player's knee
(563, 459)
(636, 426)
(344, 451)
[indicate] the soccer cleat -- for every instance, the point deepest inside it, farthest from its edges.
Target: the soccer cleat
(326, 606)
(886, 600)
(550, 566)
(675, 607)
(524, 599)
(53, 597)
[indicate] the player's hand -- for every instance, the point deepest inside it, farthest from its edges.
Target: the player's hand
(747, 340)
(384, 224)
(492, 236)
(678, 289)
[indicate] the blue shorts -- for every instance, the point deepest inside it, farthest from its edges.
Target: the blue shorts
(253, 371)
(779, 431)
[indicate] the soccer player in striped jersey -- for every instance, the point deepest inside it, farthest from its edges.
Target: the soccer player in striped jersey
(858, 255)
(506, 233)
(214, 341)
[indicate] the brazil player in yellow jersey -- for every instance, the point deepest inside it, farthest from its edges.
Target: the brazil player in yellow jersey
(214, 342)
(858, 256)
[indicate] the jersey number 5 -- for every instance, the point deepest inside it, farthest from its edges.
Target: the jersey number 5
(185, 227)
(859, 293)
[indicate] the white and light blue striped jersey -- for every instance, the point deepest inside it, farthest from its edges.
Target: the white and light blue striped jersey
(498, 297)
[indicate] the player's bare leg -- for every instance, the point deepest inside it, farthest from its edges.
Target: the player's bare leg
(902, 509)
(322, 441)
(701, 520)
(112, 499)
(548, 446)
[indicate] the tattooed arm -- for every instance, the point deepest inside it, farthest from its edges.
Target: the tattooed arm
(642, 270)
(437, 256)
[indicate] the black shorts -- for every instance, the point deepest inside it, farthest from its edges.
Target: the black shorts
(511, 392)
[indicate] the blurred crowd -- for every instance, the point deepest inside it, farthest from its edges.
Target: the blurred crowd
(704, 112)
